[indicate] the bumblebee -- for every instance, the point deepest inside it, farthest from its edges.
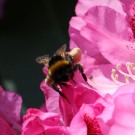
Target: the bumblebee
(61, 67)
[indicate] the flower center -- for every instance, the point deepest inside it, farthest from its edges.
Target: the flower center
(128, 75)
(93, 127)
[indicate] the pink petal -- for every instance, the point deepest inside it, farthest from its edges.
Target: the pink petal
(123, 116)
(110, 36)
(125, 89)
(38, 122)
(78, 39)
(51, 98)
(118, 114)
(79, 125)
(126, 4)
(101, 79)
(5, 129)
(10, 105)
(67, 109)
(84, 5)
(98, 18)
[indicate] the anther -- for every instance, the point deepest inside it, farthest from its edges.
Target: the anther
(115, 77)
(127, 75)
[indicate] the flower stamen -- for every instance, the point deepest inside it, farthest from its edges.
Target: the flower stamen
(115, 77)
(128, 76)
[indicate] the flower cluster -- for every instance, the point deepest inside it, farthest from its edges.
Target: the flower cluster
(105, 104)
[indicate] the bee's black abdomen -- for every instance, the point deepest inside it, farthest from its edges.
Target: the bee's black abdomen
(63, 74)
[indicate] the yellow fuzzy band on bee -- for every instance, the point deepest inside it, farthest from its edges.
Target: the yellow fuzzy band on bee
(57, 65)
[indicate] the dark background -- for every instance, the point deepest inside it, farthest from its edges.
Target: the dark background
(28, 29)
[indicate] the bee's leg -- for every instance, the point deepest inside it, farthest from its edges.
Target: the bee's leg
(57, 90)
(80, 68)
(69, 58)
(73, 81)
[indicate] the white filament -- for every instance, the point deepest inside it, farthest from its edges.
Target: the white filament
(127, 75)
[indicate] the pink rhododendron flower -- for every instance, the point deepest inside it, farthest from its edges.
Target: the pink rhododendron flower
(100, 30)
(37, 122)
(10, 106)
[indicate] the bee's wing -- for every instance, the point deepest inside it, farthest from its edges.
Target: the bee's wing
(61, 51)
(43, 60)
